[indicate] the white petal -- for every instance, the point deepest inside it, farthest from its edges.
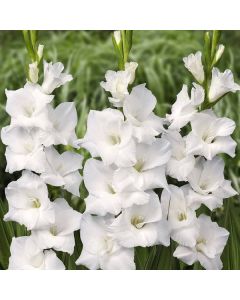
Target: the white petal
(88, 260)
(187, 255)
(140, 103)
(120, 260)
(210, 263)
(52, 262)
(103, 205)
(54, 77)
(72, 183)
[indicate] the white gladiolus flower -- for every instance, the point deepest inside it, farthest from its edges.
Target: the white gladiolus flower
(105, 195)
(180, 164)
(210, 242)
(25, 150)
(33, 72)
(64, 121)
(131, 68)
(221, 84)
(138, 109)
(60, 234)
(193, 63)
(207, 181)
(28, 202)
(181, 217)
(142, 225)
(27, 106)
(148, 172)
(26, 255)
(100, 249)
(210, 135)
(109, 137)
(185, 108)
(62, 170)
(54, 77)
(117, 83)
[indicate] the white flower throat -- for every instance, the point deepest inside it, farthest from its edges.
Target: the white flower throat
(137, 221)
(29, 110)
(114, 139)
(139, 165)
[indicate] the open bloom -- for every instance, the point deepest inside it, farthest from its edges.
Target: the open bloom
(60, 234)
(185, 108)
(100, 249)
(117, 83)
(180, 215)
(208, 183)
(105, 194)
(142, 225)
(62, 170)
(28, 202)
(221, 84)
(193, 63)
(63, 120)
(180, 163)
(210, 135)
(138, 109)
(54, 77)
(148, 172)
(210, 242)
(27, 107)
(109, 137)
(26, 255)
(24, 149)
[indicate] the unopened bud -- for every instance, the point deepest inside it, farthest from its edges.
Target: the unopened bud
(117, 37)
(33, 72)
(40, 52)
(219, 52)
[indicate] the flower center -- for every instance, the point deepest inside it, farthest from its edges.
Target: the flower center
(200, 243)
(111, 189)
(108, 244)
(28, 147)
(137, 222)
(53, 230)
(139, 165)
(115, 139)
(203, 185)
(182, 216)
(208, 139)
(35, 203)
(29, 111)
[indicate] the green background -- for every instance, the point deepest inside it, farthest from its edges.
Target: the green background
(88, 55)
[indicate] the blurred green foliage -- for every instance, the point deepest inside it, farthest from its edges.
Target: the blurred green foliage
(87, 55)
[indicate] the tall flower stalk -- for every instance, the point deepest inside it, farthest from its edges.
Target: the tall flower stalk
(136, 154)
(35, 131)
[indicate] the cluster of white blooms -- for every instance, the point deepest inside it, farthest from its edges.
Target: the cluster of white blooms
(122, 210)
(195, 164)
(134, 151)
(35, 127)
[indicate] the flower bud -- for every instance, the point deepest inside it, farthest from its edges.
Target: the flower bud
(40, 52)
(117, 37)
(33, 72)
(219, 52)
